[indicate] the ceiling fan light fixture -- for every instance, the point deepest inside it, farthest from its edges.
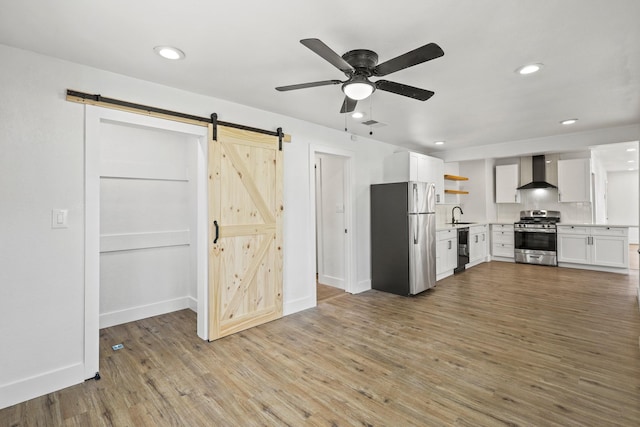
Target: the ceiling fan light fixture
(357, 115)
(358, 88)
(169, 52)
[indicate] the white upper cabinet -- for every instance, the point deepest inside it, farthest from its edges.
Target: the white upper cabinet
(574, 180)
(431, 169)
(406, 166)
(507, 178)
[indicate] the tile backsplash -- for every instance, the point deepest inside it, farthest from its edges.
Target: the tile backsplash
(573, 213)
(578, 213)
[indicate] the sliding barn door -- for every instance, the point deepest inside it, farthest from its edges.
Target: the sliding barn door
(245, 210)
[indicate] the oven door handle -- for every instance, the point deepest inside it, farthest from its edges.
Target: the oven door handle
(523, 230)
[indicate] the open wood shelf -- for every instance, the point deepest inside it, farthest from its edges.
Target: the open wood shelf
(455, 178)
(455, 191)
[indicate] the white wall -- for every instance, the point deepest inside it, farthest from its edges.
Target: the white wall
(622, 200)
(42, 163)
(599, 189)
(481, 190)
(147, 222)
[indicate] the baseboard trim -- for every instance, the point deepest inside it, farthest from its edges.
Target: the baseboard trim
(299, 305)
(362, 286)
(39, 385)
(142, 312)
(336, 282)
(444, 275)
(193, 304)
(617, 270)
(501, 259)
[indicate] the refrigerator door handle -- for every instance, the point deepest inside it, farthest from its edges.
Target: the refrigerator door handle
(415, 232)
(415, 198)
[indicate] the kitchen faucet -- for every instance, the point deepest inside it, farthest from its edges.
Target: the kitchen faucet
(453, 218)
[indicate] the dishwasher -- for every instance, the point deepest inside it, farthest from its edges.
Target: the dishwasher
(463, 249)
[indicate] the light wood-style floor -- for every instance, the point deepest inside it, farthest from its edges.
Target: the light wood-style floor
(326, 292)
(501, 344)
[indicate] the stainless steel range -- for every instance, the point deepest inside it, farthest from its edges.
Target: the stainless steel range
(535, 237)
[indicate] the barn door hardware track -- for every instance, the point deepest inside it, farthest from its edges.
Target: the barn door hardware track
(102, 101)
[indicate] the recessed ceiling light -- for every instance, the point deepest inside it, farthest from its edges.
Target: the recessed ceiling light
(169, 52)
(357, 115)
(631, 149)
(439, 142)
(631, 161)
(529, 69)
(568, 121)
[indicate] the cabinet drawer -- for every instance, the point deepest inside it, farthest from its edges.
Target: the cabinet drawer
(477, 229)
(446, 234)
(502, 237)
(609, 231)
(573, 229)
(502, 249)
(502, 227)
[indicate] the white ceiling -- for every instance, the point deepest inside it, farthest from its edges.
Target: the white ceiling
(240, 51)
(617, 157)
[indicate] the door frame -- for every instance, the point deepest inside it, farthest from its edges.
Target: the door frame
(94, 116)
(349, 210)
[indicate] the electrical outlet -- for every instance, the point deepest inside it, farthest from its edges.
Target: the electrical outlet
(117, 347)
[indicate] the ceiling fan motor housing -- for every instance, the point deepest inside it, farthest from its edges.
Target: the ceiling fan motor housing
(362, 60)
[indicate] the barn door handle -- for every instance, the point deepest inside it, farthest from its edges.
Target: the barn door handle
(215, 224)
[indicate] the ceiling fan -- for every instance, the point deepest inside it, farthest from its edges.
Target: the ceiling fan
(360, 64)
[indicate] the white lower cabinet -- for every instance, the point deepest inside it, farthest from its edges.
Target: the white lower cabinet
(477, 243)
(446, 252)
(594, 246)
(502, 241)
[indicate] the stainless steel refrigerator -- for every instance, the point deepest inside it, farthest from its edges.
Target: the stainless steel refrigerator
(403, 237)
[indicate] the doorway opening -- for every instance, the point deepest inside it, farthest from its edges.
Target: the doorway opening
(145, 222)
(333, 208)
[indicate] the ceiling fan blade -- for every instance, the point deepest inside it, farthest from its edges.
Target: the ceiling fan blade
(306, 85)
(404, 90)
(349, 105)
(329, 55)
(417, 56)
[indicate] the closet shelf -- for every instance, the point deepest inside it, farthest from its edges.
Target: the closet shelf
(455, 191)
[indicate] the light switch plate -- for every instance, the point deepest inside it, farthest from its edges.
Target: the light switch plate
(59, 218)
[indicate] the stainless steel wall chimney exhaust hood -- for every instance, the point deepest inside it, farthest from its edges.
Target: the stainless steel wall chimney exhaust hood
(539, 175)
